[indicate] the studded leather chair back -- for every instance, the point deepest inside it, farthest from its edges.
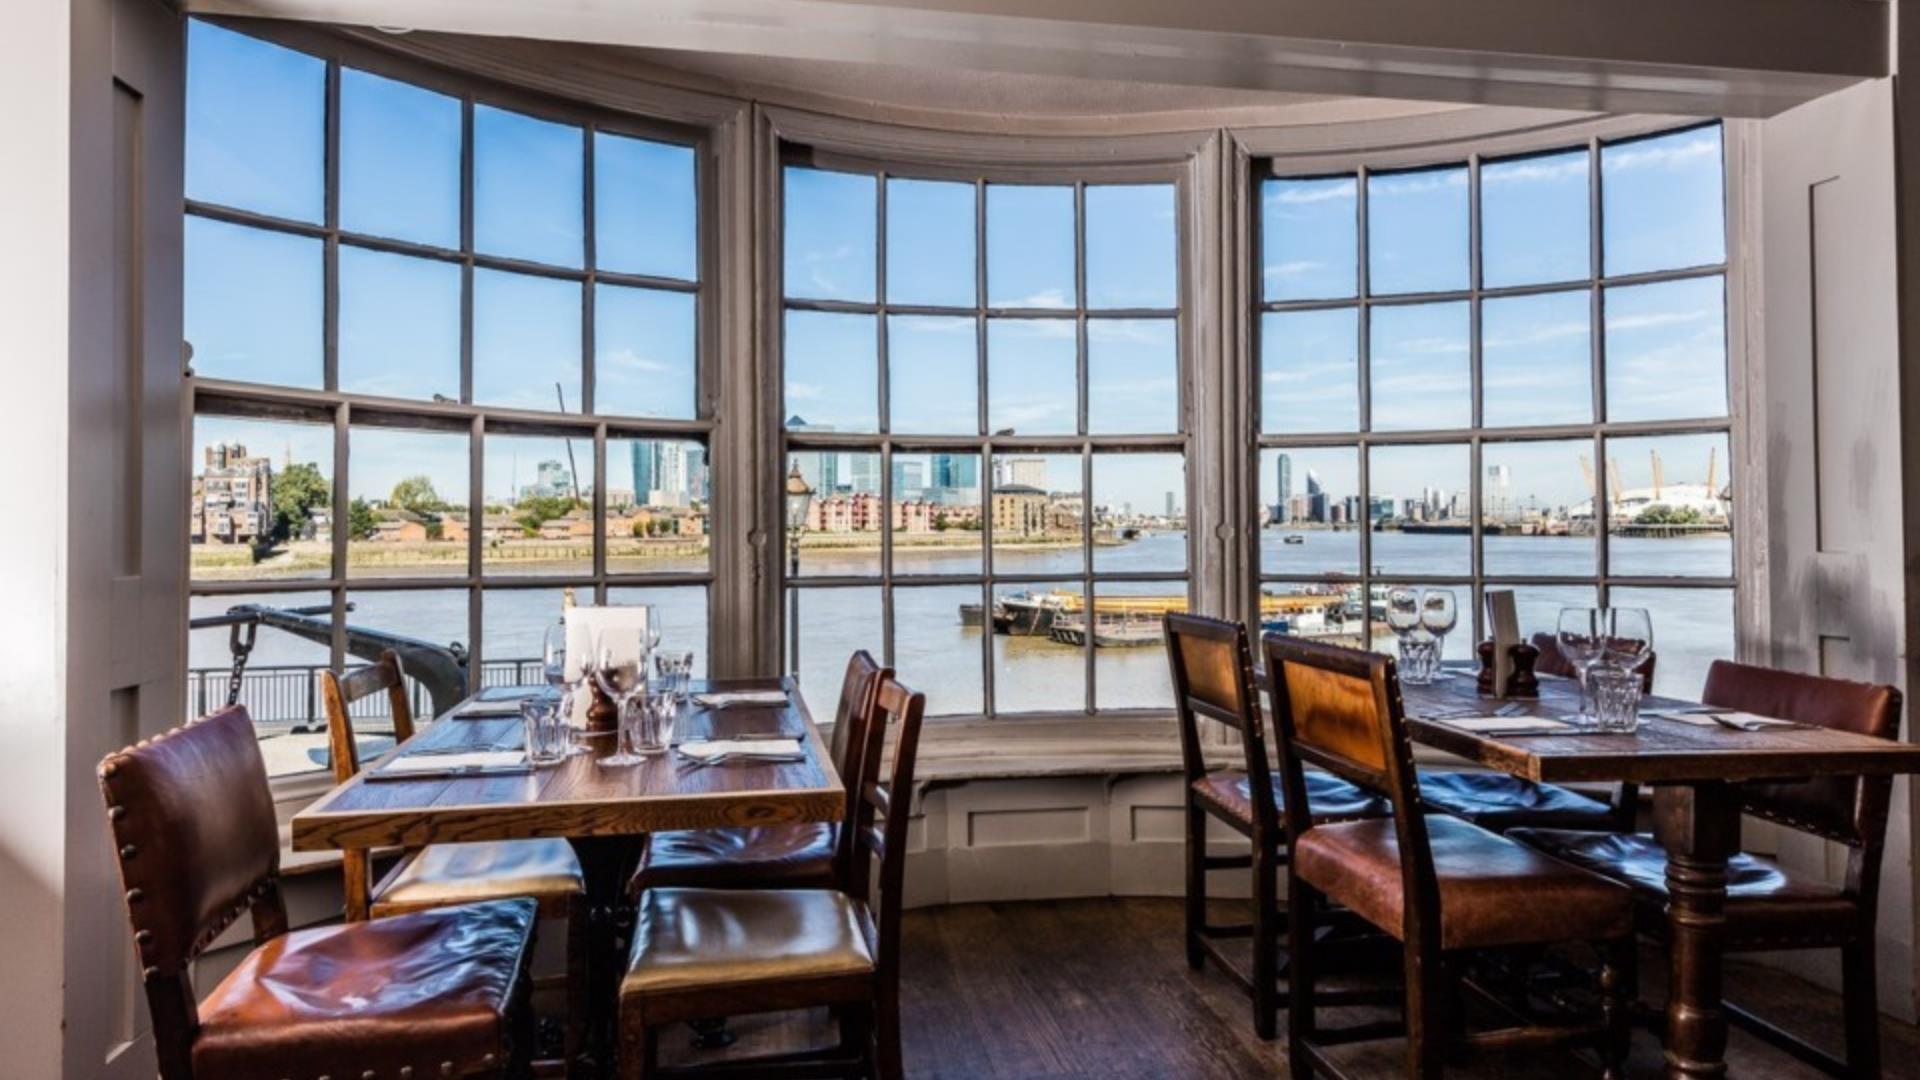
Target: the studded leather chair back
(1213, 679)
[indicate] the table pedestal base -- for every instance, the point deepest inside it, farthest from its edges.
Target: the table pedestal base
(1699, 825)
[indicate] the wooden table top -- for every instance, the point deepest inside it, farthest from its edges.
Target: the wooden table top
(1661, 751)
(578, 797)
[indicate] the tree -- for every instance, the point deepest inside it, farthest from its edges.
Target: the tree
(415, 494)
(296, 491)
(361, 522)
(537, 510)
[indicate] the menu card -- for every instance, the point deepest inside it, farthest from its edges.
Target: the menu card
(1503, 620)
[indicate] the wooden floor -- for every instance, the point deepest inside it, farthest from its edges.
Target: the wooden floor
(1100, 988)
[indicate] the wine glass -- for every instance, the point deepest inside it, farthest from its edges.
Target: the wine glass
(650, 638)
(1629, 637)
(1579, 638)
(1439, 614)
(1403, 618)
(623, 676)
(553, 654)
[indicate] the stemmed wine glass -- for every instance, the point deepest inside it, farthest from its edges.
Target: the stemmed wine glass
(622, 673)
(1439, 614)
(1629, 637)
(1582, 643)
(553, 665)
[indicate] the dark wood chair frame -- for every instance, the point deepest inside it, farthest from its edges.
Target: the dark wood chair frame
(1433, 1024)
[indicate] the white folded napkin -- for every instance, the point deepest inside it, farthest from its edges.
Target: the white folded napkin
(724, 699)
(1745, 721)
(1509, 725)
(443, 763)
(475, 710)
(712, 748)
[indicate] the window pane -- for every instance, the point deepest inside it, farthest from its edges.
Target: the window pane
(1133, 260)
(399, 325)
(1691, 629)
(1536, 359)
(408, 513)
(1669, 515)
(1032, 672)
(1309, 239)
(1667, 350)
(1418, 509)
(644, 208)
(1030, 246)
(833, 372)
(931, 257)
(658, 495)
(1459, 643)
(1534, 219)
(1310, 371)
(262, 500)
(539, 498)
(1326, 612)
(936, 515)
(513, 626)
(399, 160)
(1133, 377)
(280, 688)
(841, 535)
(1539, 606)
(1421, 375)
(526, 341)
(1662, 204)
(1038, 503)
(933, 373)
(1032, 377)
(256, 124)
(1312, 501)
(252, 304)
(528, 187)
(644, 353)
(1139, 512)
(436, 617)
(936, 650)
(834, 624)
(830, 224)
(1417, 231)
(1130, 651)
(1536, 503)
(683, 619)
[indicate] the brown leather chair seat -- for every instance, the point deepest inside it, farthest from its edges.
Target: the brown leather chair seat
(1500, 802)
(738, 938)
(1332, 799)
(546, 871)
(773, 856)
(428, 991)
(1493, 891)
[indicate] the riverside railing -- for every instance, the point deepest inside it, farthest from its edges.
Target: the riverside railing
(288, 695)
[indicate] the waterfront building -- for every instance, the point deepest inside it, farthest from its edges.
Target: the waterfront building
(1019, 510)
(232, 496)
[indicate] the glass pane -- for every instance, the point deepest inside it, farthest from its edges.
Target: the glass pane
(1133, 377)
(931, 257)
(1667, 350)
(1032, 377)
(262, 500)
(529, 182)
(1310, 371)
(936, 647)
(644, 353)
(539, 498)
(436, 617)
(1418, 510)
(841, 533)
(658, 495)
(1662, 203)
(1321, 611)
(399, 325)
(513, 626)
(1536, 359)
(253, 304)
(1030, 247)
(1536, 502)
(1421, 374)
(1309, 239)
(645, 219)
(256, 124)
(936, 514)
(281, 685)
(1038, 503)
(399, 160)
(683, 618)
(1032, 671)
(1670, 506)
(1129, 649)
(1312, 501)
(1417, 231)
(1539, 606)
(933, 375)
(408, 511)
(833, 372)
(1534, 219)
(1133, 258)
(526, 341)
(1691, 629)
(1460, 643)
(1139, 512)
(834, 624)
(830, 225)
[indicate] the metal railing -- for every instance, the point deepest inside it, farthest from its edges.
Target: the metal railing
(288, 695)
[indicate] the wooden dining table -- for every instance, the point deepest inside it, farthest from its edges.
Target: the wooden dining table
(1694, 771)
(603, 811)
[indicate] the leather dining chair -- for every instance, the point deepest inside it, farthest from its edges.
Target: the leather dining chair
(1213, 680)
(439, 993)
(1769, 907)
(1445, 888)
(700, 953)
(438, 875)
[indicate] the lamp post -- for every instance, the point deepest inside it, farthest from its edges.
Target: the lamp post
(799, 501)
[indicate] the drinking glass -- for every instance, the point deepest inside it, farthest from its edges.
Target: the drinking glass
(650, 640)
(549, 738)
(553, 653)
(1439, 614)
(1580, 642)
(1616, 697)
(663, 709)
(675, 668)
(623, 676)
(1629, 637)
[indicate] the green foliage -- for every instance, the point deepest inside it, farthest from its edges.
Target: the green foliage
(362, 523)
(297, 490)
(416, 495)
(537, 511)
(1662, 514)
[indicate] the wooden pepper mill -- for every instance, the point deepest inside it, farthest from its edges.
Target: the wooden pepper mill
(1522, 683)
(602, 715)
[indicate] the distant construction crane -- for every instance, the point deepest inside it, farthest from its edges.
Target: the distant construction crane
(1713, 468)
(1586, 470)
(1659, 474)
